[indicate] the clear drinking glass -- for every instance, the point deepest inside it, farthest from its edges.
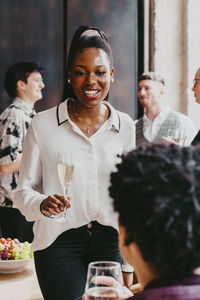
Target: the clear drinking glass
(65, 166)
(104, 281)
(172, 134)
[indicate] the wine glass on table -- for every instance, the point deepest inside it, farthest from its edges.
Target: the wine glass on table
(104, 281)
(65, 166)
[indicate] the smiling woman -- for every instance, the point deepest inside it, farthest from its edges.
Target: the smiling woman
(90, 74)
(96, 133)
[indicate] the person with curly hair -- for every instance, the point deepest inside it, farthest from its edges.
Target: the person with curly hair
(156, 191)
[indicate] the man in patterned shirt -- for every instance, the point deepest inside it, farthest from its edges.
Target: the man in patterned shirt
(23, 83)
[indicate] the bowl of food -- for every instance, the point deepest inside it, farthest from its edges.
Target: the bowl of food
(14, 256)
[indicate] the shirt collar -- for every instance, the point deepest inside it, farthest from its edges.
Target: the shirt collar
(161, 116)
(62, 112)
(24, 106)
(114, 119)
(63, 115)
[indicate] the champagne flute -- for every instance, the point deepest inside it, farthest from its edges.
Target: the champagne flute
(65, 165)
(104, 281)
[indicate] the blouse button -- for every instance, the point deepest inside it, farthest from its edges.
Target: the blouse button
(89, 225)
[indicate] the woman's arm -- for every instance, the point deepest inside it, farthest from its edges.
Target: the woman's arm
(27, 197)
(11, 167)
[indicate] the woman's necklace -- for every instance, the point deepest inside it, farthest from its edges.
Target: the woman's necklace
(84, 124)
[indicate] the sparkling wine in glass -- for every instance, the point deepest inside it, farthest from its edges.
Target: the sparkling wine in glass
(104, 281)
(65, 166)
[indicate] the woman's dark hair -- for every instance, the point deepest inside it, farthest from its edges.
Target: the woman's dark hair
(19, 71)
(156, 191)
(84, 28)
(89, 42)
(68, 91)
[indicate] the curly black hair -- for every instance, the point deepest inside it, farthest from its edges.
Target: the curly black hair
(156, 191)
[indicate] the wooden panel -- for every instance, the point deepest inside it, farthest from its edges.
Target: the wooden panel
(119, 21)
(33, 30)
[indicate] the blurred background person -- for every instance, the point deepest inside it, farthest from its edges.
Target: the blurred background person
(94, 131)
(156, 193)
(196, 90)
(23, 83)
(158, 118)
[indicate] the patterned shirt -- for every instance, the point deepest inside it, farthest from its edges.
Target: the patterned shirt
(14, 123)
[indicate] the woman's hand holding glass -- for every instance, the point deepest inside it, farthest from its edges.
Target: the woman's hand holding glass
(172, 137)
(55, 204)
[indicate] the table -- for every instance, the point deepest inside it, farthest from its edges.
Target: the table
(20, 286)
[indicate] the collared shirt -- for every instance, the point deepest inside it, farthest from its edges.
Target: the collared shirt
(51, 132)
(14, 123)
(186, 130)
(151, 128)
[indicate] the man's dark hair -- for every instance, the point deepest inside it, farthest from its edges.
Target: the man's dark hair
(156, 191)
(19, 71)
(151, 76)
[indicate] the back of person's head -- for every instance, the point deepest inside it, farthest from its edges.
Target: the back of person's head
(156, 191)
(19, 71)
(83, 43)
(152, 76)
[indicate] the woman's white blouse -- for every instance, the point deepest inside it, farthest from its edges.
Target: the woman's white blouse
(51, 132)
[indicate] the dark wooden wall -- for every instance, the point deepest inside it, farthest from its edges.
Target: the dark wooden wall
(33, 30)
(41, 30)
(119, 20)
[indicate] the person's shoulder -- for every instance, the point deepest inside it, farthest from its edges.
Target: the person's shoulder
(12, 111)
(45, 114)
(182, 117)
(124, 116)
(179, 114)
(43, 119)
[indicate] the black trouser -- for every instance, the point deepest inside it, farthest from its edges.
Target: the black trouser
(61, 268)
(14, 225)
